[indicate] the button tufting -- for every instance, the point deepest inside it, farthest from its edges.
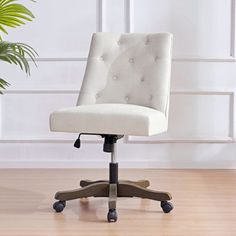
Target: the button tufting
(150, 97)
(97, 95)
(127, 98)
(142, 79)
(131, 60)
(156, 58)
(114, 77)
(102, 58)
(119, 42)
(147, 41)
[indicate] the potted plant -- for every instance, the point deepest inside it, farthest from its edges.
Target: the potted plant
(14, 14)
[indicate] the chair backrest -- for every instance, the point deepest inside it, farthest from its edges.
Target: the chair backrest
(128, 68)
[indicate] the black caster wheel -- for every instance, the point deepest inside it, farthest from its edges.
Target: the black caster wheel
(59, 206)
(112, 215)
(166, 206)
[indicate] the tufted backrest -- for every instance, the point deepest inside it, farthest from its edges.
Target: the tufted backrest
(128, 68)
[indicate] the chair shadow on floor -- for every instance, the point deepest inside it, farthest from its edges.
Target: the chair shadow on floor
(91, 209)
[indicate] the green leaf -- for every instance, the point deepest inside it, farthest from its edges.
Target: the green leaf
(17, 53)
(13, 14)
(3, 84)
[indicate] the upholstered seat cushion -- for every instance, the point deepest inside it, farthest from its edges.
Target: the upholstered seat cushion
(124, 119)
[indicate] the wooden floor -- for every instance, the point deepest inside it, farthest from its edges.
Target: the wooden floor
(204, 200)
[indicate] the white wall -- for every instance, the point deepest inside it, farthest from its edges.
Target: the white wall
(202, 112)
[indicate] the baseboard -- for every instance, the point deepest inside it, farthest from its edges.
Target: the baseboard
(123, 164)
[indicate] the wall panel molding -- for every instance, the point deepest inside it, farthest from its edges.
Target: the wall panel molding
(229, 139)
(56, 151)
(55, 59)
(100, 15)
(232, 29)
(99, 28)
(211, 139)
(35, 91)
(231, 58)
(127, 11)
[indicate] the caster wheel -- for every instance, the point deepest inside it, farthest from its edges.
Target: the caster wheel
(166, 206)
(59, 206)
(112, 215)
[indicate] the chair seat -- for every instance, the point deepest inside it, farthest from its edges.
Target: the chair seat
(122, 119)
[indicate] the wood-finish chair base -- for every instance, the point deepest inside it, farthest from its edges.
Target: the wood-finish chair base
(142, 183)
(125, 188)
(102, 188)
(112, 188)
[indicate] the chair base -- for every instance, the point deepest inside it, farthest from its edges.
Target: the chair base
(112, 188)
(124, 188)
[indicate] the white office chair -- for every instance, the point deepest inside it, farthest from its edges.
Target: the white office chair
(125, 91)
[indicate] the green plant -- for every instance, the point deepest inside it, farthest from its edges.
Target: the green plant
(13, 14)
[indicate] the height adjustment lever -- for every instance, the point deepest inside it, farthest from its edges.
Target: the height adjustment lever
(77, 142)
(109, 141)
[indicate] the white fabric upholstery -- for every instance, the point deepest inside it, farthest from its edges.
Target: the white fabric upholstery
(123, 70)
(109, 119)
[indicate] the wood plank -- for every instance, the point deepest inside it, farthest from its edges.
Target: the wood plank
(204, 203)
